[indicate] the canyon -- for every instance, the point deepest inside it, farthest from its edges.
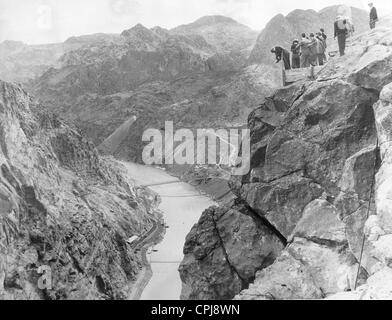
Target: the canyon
(309, 221)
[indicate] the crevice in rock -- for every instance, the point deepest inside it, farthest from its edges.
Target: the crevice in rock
(288, 174)
(301, 170)
(261, 217)
(244, 283)
(326, 79)
(373, 92)
(339, 246)
(300, 94)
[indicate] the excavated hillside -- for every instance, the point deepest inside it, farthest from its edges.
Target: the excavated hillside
(63, 207)
(312, 219)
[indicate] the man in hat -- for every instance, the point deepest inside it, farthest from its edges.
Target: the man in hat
(373, 16)
(324, 36)
(321, 46)
(305, 52)
(314, 50)
(341, 31)
(296, 56)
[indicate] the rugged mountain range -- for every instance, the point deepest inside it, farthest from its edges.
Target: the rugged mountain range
(194, 75)
(22, 63)
(317, 200)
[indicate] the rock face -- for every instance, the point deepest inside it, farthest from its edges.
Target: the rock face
(319, 180)
(23, 63)
(225, 34)
(63, 207)
(378, 228)
(282, 30)
(213, 266)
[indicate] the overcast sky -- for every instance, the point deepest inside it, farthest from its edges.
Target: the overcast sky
(44, 21)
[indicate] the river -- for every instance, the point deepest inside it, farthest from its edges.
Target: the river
(182, 206)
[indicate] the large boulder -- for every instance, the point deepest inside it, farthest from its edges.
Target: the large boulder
(305, 270)
(368, 57)
(282, 202)
(224, 251)
(321, 223)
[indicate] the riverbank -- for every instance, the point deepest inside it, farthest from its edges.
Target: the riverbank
(181, 206)
(145, 274)
(207, 181)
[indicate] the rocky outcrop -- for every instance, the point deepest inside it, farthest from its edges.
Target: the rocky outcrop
(64, 208)
(282, 30)
(22, 63)
(213, 267)
(319, 179)
(377, 229)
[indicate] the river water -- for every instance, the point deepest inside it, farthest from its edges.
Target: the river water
(182, 206)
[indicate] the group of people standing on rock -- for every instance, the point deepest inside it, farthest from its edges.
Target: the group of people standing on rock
(311, 50)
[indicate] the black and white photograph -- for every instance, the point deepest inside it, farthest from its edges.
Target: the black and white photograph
(195, 155)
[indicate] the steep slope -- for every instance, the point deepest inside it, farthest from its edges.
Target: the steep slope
(138, 56)
(319, 182)
(282, 30)
(156, 75)
(224, 33)
(64, 207)
(22, 63)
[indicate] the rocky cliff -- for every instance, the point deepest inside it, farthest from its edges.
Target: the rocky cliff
(319, 188)
(282, 30)
(64, 207)
(23, 63)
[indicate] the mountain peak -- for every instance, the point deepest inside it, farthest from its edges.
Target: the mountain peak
(209, 21)
(141, 36)
(215, 19)
(137, 29)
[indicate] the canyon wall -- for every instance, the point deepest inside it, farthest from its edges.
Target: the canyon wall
(319, 183)
(63, 207)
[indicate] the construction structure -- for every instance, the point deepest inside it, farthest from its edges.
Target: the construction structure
(293, 75)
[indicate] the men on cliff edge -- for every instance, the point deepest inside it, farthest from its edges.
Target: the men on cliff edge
(282, 53)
